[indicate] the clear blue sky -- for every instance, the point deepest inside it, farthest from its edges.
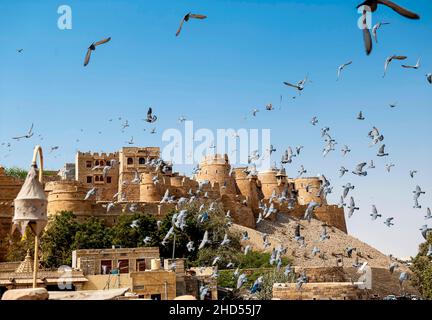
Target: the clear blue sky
(215, 73)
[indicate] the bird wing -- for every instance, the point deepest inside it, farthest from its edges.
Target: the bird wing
(360, 166)
(367, 39)
(399, 57)
(180, 27)
(197, 16)
(402, 11)
(31, 129)
(87, 57)
(102, 41)
(290, 85)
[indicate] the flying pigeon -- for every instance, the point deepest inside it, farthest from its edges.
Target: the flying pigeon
(389, 222)
(372, 6)
(351, 207)
(341, 67)
(375, 29)
(359, 169)
(390, 59)
(374, 213)
(416, 66)
(93, 48)
(186, 18)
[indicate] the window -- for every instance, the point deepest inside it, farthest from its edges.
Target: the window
(88, 164)
(101, 178)
(97, 178)
(140, 265)
(123, 266)
(102, 163)
(96, 162)
(130, 161)
(106, 266)
(89, 179)
(109, 180)
(142, 161)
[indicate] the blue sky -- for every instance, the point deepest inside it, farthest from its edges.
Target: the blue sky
(215, 73)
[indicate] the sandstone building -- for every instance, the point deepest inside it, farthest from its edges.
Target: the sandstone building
(135, 179)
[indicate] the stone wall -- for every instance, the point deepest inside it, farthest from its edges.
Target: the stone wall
(318, 291)
(89, 172)
(9, 189)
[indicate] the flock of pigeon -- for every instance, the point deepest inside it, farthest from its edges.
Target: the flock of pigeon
(266, 210)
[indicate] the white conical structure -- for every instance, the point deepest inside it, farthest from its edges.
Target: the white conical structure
(31, 205)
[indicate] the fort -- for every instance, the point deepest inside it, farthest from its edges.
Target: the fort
(137, 177)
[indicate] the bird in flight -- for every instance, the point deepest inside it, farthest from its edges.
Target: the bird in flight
(429, 78)
(341, 67)
(150, 117)
(390, 59)
(299, 86)
(186, 18)
(372, 6)
(29, 134)
(375, 29)
(20, 50)
(416, 66)
(93, 48)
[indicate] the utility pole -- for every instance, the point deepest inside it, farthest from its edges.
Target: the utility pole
(174, 244)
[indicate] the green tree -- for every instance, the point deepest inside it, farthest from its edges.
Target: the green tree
(17, 246)
(58, 239)
(92, 234)
(422, 269)
(16, 172)
(127, 236)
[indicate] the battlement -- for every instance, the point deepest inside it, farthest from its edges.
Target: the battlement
(97, 155)
(215, 159)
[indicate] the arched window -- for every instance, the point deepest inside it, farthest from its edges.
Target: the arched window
(142, 161)
(97, 163)
(130, 161)
(102, 163)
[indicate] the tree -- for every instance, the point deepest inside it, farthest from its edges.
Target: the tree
(17, 246)
(92, 234)
(128, 236)
(58, 239)
(16, 172)
(269, 279)
(422, 269)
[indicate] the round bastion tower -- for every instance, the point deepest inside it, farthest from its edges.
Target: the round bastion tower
(307, 190)
(273, 181)
(149, 192)
(216, 169)
(247, 185)
(68, 196)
